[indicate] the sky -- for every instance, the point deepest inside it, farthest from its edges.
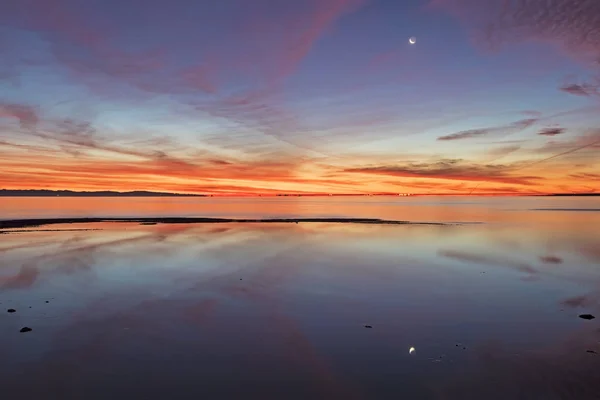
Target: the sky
(301, 96)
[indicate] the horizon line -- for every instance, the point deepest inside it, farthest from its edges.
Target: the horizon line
(150, 193)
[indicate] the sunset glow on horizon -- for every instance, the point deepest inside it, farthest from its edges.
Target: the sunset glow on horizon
(305, 97)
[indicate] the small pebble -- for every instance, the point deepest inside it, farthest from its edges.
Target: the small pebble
(25, 329)
(591, 351)
(368, 326)
(587, 316)
(11, 310)
(47, 301)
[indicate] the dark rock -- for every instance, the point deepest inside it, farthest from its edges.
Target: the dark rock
(25, 329)
(11, 310)
(47, 301)
(587, 316)
(591, 351)
(368, 326)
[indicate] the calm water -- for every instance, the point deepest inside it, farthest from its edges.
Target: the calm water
(278, 311)
(447, 208)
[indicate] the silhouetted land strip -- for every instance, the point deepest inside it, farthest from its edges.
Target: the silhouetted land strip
(70, 193)
(26, 223)
(567, 209)
(572, 194)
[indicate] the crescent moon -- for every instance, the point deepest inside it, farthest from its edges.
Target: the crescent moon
(412, 40)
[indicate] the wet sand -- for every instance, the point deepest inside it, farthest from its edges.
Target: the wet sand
(29, 223)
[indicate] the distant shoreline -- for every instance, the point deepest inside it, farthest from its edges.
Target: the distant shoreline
(71, 193)
(572, 194)
(28, 223)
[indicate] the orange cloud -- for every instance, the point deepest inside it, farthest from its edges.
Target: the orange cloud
(456, 170)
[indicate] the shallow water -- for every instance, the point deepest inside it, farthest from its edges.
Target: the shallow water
(552, 210)
(279, 310)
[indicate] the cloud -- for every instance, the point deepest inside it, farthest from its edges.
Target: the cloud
(496, 131)
(586, 176)
(572, 26)
(305, 30)
(26, 115)
(504, 150)
(154, 169)
(551, 260)
(585, 89)
(103, 160)
(225, 71)
(466, 134)
(77, 137)
(532, 113)
(450, 170)
(589, 140)
(236, 76)
(552, 131)
(146, 169)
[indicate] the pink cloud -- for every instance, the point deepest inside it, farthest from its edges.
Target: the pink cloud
(255, 56)
(325, 14)
(571, 26)
(585, 89)
(26, 115)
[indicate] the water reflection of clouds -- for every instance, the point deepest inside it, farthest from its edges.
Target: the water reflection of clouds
(299, 294)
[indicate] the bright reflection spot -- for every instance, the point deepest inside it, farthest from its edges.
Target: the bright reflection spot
(411, 350)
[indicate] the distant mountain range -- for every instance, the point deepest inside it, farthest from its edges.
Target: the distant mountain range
(70, 193)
